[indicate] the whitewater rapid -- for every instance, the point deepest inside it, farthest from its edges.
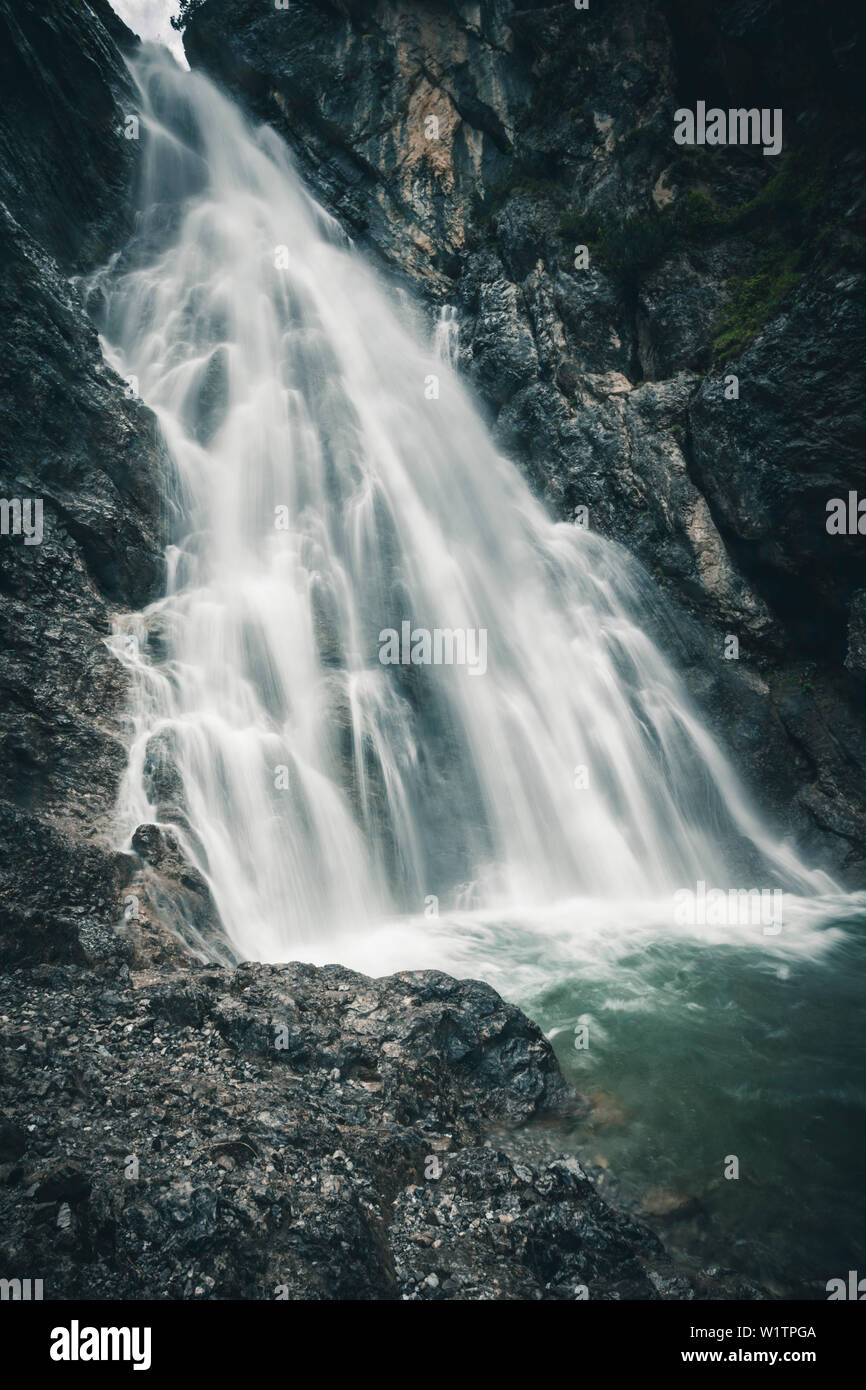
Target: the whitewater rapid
(328, 479)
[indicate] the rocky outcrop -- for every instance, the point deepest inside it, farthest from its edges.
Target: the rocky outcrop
(398, 113)
(65, 168)
(769, 462)
(294, 1132)
(474, 148)
(72, 439)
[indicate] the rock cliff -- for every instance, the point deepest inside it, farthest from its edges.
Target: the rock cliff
(72, 437)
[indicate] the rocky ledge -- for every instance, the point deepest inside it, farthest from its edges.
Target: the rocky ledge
(297, 1132)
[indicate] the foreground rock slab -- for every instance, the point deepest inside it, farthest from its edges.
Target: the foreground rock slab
(296, 1132)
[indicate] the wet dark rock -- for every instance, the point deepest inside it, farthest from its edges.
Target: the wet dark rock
(63, 1182)
(290, 1131)
(676, 302)
(61, 895)
(855, 657)
(65, 166)
(171, 900)
(13, 1141)
(71, 436)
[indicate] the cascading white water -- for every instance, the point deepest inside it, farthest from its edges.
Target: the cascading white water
(331, 479)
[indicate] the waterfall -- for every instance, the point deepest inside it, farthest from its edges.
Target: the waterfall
(329, 482)
(447, 336)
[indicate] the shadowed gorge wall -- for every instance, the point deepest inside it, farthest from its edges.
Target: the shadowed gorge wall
(70, 435)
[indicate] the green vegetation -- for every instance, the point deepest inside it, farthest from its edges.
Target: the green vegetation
(786, 222)
(778, 231)
(624, 246)
(782, 225)
(645, 143)
(756, 298)
(519, 180)
(697, 218)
